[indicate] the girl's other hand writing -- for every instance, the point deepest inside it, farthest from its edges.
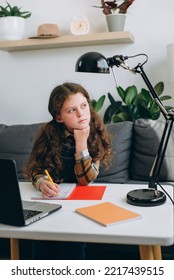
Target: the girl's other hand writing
(49, 189)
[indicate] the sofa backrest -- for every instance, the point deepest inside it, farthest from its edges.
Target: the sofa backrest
(16, 142)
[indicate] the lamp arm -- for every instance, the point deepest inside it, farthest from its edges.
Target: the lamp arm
(169, 116)
(139, 69)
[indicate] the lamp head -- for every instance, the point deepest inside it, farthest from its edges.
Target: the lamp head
(92, 62)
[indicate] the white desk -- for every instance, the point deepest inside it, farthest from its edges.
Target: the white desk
(155, 229)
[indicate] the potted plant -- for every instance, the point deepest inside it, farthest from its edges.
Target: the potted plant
(133, 105)
(115, 12)
(12, 22)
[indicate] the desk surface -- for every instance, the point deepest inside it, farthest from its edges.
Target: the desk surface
(155, 227)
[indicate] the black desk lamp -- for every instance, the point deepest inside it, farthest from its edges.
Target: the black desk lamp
(94, 62)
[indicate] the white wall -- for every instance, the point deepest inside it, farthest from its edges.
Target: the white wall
(28, 77)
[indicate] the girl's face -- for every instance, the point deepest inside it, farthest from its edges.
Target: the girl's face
(75, 113)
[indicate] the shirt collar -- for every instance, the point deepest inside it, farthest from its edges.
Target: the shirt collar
(67, 133)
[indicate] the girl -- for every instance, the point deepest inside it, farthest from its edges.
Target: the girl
(71, 147)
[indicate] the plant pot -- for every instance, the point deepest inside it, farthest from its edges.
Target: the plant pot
(12, 28)
(116, 22)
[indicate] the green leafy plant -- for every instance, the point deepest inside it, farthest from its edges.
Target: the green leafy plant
(97, 105)
(115, 6)
(134, 104)
(14, 11)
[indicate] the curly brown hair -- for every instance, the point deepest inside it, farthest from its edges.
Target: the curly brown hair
(46, 152)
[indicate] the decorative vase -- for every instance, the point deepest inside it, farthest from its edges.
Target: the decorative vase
(116, 22)
(12, 28)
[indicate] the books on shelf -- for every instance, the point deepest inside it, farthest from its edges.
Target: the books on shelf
(107, 213)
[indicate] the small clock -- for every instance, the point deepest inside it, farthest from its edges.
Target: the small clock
(80, 26)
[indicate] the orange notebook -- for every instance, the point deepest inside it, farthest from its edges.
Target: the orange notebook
(87, 193)
(107, 213)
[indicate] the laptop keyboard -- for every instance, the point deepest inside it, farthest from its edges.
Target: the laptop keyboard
(30, 213)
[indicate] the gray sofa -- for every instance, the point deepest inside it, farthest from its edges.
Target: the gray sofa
(134, 146)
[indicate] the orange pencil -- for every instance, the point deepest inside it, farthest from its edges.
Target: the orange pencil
(50, 179)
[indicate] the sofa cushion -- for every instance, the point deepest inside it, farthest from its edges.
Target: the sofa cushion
(121, 134)
(16, 142)
(146, 138)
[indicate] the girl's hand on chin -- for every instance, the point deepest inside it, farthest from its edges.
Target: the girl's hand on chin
(81, 134)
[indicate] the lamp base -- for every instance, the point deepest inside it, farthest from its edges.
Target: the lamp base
(146, 197)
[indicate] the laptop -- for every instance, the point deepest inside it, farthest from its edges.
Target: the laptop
(14, 211)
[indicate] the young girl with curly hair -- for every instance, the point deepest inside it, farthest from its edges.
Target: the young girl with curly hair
(71, 147)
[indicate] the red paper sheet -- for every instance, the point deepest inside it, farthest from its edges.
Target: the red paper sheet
(87, 193)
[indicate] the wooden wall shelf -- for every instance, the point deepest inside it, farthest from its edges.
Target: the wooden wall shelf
(68, 41)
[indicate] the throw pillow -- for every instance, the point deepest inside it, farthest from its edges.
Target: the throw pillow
(121, 134)
(146, 139)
